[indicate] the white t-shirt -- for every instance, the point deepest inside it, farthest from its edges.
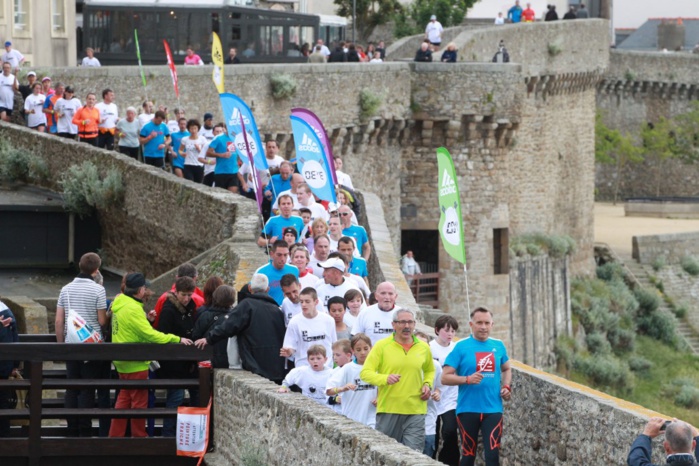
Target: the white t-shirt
(342, 177)
(499, 20)
(67, 109)
(7, 91)
(302, 333)
(317, 210)
(310, 280)
(361, 284)
(130, 133)
(434, 31)
(209, 167)
(355, 404)
(275, 161)
(327, 291)
(449, 392)
(375, 323)
(189, 146)
(294, 197)
(312, 383)
(144, 119)
(173, 126)
(313, 264)
(433, 406)
(13, 57)
(349, 319)
(109, 115)
(35, 103)
(290, 310)
(91, 62)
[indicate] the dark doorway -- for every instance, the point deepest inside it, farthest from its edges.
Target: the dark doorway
(425, 247)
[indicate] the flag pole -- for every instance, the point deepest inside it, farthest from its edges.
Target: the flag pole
(468, 302)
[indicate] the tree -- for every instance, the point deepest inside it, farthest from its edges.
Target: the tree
(613, 147)
(370, 13)
(659, 144)
(687, 134)
(448, 12)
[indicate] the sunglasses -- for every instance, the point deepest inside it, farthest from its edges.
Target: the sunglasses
(345, 214)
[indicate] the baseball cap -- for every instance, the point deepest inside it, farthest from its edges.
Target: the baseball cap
(31, 73)
(8, 43)
(334, 263)
(46, 78)
(136, 280)
(433, 17)
(208, 116)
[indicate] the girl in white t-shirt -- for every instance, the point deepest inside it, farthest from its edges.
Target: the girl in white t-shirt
(190, 147)
(34, 109)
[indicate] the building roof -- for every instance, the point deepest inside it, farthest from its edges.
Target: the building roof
(646, 37)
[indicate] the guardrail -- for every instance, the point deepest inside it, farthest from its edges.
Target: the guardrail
(425, 288)
(41, 445)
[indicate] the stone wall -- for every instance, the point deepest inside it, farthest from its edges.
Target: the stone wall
(159, 225)
(639, 88)
(549, 421)
(539, 309)
(673, 247)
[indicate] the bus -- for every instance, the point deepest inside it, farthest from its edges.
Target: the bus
(259, 35)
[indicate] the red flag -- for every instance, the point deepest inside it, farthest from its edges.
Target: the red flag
(173, 70)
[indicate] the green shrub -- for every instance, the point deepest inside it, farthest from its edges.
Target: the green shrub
(605, 370)
(84, 189)
(611, 271)
(538, 243)
(680, 310)
(554, 49)
(690, 265)
(621, 299)
(660, 326)
(639, 364)
(688, 397)
(622, 340)
(658, 263)
(598, 344)
(518, 250)
(648, 301)
(369, 104)
(533, 249)
(21, 165)
(252, 454)
(283, 86)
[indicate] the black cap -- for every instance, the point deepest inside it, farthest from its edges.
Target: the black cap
(136, 280)
(208, 116)
(290, 230)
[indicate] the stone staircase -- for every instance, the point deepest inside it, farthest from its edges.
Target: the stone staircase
(640, 273)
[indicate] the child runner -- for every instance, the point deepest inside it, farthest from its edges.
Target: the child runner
(336, 309)
(308, 329)
(311, 378)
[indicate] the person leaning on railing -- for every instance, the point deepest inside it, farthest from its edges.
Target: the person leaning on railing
(130, 325)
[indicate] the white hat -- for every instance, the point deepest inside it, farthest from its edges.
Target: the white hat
(433, 17)
(334, 263)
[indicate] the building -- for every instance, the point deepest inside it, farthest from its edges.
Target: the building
(42, 30)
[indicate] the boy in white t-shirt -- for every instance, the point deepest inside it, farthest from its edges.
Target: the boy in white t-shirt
(310, 379)
(342, 355)
(358, 398)
(445, 328)
(432, 405)
(307, 329)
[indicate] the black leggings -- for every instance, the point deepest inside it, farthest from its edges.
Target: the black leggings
(490, 426)
(448, 431)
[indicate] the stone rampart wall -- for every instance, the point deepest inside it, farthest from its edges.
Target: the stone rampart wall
(639, 88)
(549, 421)
(673, 247)
(160, 224)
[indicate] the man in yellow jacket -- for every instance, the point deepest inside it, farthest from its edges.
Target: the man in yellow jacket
(401, 366)
(130, 325)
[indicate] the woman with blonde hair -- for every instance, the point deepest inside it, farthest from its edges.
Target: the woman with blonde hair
(449, 55)
(318, 227)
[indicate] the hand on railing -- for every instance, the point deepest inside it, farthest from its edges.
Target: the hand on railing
(201, 343)
(186, 341)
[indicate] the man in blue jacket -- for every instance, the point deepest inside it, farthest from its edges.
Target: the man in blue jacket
(680, 442)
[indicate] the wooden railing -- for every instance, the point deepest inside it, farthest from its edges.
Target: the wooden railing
(425, 288)
(40, 445)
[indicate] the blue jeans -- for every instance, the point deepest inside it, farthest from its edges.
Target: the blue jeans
(429, 445)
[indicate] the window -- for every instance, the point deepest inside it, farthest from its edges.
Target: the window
(58, 15)
(501, 248)
(21, 15)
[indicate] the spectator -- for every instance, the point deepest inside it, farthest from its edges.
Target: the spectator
(129, 325)
(409, 266)
(12, 56)
(185, 270)
(249, 51)
(570, 14)
(65, 109)
(582, 12)
(551, 14)
(499, 19)
(312, 378)
(323, 48)
(277, 268)
(528, 14)
(381, 48)
(353, 54)
(232, 58)
(8, 86)
(210, 316)
(8, 334)
(376, 58)
(192, 58)
(317, 56)
(501, 56)
(514, 14)
(88, 299)
(405, 383)
(338, 55)
(433, 32)
(681, 441)
(90, 60)
(424, 54)
(449, 55)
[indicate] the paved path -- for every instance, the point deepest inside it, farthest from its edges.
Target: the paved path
(613, 228)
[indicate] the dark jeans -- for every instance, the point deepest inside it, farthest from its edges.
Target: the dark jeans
(85, 398)
(490, 426)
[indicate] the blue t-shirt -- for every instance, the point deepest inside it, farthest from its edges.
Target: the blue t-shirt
(150, 149)
(229, 166)
(176, 140)
(274, 276)
(468, 357)
(279, 186)
(275, 226)
(358, 267)
(359, 234)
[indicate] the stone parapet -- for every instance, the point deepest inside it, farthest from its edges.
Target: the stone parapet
(31, 316)
(672, 246)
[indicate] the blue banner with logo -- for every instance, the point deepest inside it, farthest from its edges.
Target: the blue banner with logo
(312, 160)
(235, 112)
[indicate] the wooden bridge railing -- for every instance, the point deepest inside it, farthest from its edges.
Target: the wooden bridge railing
(425, 288)
(38, 445)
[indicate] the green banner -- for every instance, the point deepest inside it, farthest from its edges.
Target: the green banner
(138, 55)
(450, 220)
